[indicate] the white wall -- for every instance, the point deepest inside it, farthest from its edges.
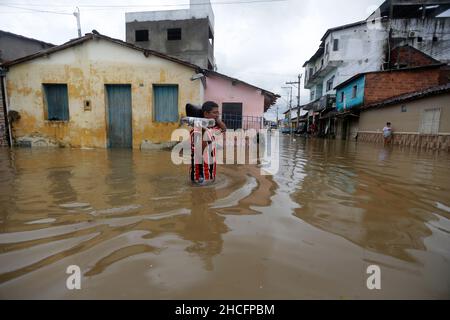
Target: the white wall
(361, 49)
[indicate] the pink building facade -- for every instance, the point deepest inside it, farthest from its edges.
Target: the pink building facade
(241, 105)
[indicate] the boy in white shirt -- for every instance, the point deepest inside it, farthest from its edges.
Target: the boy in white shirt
(387, 133)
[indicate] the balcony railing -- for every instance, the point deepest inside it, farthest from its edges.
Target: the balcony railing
(317, 77)
(235, 121)
(322, 103)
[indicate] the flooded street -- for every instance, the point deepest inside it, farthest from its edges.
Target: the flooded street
(137, 229)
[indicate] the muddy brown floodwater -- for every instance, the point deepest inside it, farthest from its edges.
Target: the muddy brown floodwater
(137, 229)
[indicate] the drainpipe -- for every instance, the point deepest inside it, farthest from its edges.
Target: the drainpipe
(5, 106)
(389, 46)
(390, 18)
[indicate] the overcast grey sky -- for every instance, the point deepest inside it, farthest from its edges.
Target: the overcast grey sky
(263, 43)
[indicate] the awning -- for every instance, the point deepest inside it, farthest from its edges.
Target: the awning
(330, 113)
(346, 114)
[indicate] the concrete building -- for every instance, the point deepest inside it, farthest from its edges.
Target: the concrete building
(419, 119)
(186, 34)
(13, 46)
(368, 45)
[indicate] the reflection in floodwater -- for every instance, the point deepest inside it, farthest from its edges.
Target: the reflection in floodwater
(159, 201)
(138, 229)
(347, 192)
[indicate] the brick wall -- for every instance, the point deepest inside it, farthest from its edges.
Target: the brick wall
(383, 85)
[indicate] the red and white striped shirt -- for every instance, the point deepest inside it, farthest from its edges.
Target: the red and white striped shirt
(203, 164)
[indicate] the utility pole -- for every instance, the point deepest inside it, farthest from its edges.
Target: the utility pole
(290, 108)
(298, 98)
(77, 16)
(277, 117)
(297, 83)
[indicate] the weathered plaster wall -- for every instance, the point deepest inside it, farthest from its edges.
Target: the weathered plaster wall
(86, 69)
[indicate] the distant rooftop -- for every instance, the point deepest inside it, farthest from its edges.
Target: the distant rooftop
(25, 38)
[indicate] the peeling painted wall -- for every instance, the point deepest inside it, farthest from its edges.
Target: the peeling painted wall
(86, 69)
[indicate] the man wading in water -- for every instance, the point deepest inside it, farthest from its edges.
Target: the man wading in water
(203, 164)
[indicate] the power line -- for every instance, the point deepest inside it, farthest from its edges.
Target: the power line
(36, 10)
(148, 5)
(89, 7)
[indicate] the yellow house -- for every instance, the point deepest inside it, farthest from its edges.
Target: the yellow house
(97, 91)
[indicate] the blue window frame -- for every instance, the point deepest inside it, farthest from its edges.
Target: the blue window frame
(57, 102)
(165, 103)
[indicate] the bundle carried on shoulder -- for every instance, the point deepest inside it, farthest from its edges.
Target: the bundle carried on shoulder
(194, 117)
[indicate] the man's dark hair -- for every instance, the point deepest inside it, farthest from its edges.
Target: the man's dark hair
(388, 123)
(209, 105)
